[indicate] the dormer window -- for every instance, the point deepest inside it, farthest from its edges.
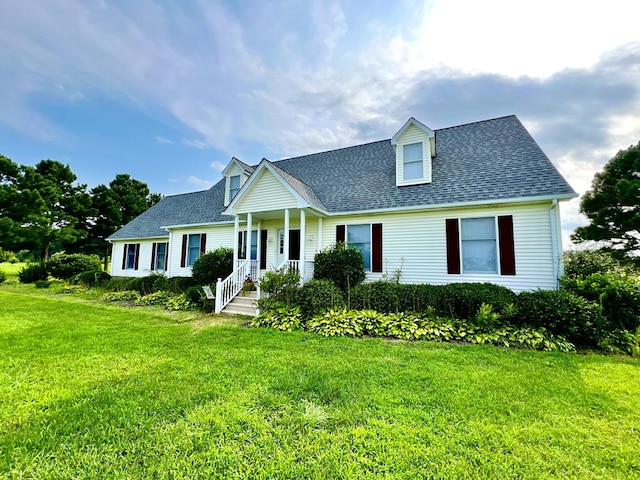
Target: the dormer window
(412, 160)
(234, 186)
(415, 146)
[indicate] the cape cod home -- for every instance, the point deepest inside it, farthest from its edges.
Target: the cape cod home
(470, 203)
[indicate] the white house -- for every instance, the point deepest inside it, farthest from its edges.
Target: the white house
(470, 203)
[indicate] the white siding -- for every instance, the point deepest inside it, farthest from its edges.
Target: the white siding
(144, 258)
(413, 135)
(416, 243)
(266, 193)
(217, 236)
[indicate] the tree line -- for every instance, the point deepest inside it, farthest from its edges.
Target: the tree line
(44, 210)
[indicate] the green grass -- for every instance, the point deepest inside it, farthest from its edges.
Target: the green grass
(11, 269)
(100, 391)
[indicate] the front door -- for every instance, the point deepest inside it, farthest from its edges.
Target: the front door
(294, 246)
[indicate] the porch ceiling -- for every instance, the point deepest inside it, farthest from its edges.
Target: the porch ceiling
(294, 213)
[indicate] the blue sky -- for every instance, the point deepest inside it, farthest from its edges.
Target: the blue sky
(168, 91)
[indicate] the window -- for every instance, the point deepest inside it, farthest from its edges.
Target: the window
(479, 248)
(359, 236)
(412, 162)
(242, 245)
(159, 260)
(234, 186)
(481, 245)
(130, 256)
(193, 249)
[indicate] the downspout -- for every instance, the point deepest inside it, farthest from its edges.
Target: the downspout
(554, 241)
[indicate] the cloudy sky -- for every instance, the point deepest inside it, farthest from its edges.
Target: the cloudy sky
(169, 90)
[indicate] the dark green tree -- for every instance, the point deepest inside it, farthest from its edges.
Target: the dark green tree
(51, 206)
(9, 203)
(613, 205)
(114, 206)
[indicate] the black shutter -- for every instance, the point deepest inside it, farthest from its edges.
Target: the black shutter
(124, 257)
(294, 244)
(376, 247)
(203, 243)
(137, 257)
(183, 258)
(507, 246)
(453, 246)
(153, 256)
(340, 233)
(263, 249)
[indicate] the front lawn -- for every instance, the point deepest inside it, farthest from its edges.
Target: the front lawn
(11, 269)
(99, 391)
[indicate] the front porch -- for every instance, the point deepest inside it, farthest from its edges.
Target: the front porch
(287, 238)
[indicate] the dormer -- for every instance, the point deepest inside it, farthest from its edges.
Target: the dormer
(236, 173)
(415, 146)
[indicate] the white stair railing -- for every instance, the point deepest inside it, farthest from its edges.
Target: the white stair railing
(228, 288)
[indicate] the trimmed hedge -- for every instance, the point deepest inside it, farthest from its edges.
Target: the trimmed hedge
(458, 300)
(341, 264)
(65, 266)
(318, 296)
(213, 265)
(92, 278)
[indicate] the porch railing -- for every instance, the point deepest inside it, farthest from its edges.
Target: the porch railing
(254, 271)
(228, 288)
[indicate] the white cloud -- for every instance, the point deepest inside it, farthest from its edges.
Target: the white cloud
(217, 166)
(199, 183)
(160, 139)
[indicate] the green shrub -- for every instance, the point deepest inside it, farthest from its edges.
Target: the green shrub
(178, 302)
(177, 284)
(281, 318)
(617, 293)
(317, 296)
(560, 312)
(66, 288)
(7, 256)
(278, 287)
(587, 262)
(213, 265)
(26, 256)
(161, 283)
(621, 341)
(341, 264)
(65, 266)
(123, 296)
(459, 300)
(3, 276)
(156, 298)
(91, 278)
(337, 323)
(117, 284)
(42, 283)
(33, 272)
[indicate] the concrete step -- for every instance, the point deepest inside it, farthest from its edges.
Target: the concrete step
(242, 305)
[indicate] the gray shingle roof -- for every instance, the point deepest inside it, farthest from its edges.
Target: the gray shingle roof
(483, 161)
(186, 209)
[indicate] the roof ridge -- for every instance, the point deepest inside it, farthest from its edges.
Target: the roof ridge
(478, 121)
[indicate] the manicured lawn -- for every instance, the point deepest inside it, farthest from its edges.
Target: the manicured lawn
(11, 269)
(98, 391)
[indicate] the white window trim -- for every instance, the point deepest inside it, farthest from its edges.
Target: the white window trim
(136, 250)
(497, 240)
(426, 165)
(166, 255)
(186, 260)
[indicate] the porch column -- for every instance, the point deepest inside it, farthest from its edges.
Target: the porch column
(236, 229)
(286, 235)
(303, 241)
(319, 234)
(248, 241)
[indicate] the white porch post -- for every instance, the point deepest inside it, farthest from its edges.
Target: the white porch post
(248, 246)
(236, 229)
(286, 234)
(303, 241)
(319, 234)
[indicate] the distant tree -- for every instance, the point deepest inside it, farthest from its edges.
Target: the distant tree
(9, 227)
(51, 205)
(613, 205)
(114, 206)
